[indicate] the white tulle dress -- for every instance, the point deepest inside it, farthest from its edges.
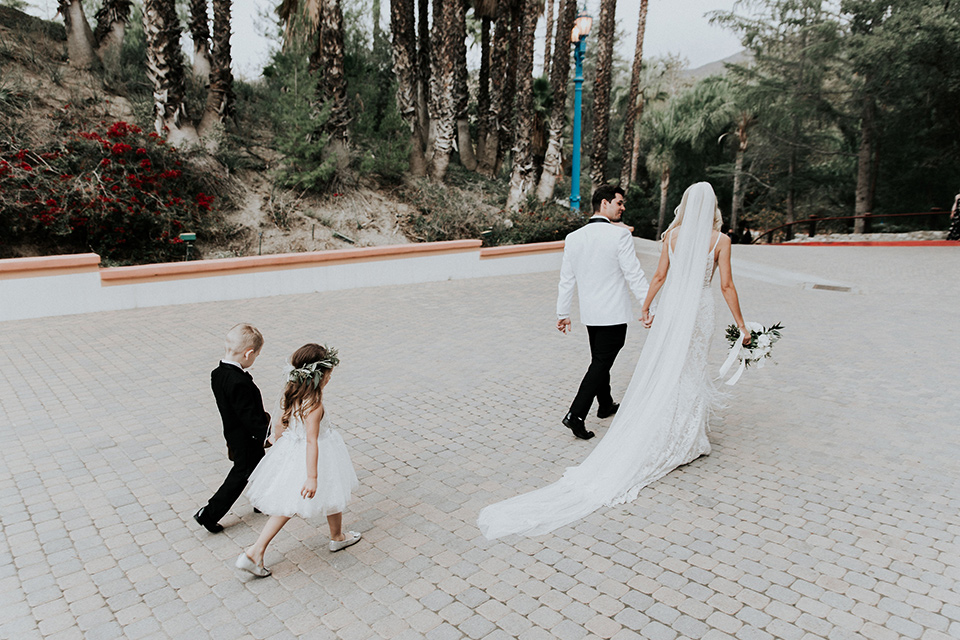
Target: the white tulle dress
(275, 484)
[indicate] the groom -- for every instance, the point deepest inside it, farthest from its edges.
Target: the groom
(600, 260)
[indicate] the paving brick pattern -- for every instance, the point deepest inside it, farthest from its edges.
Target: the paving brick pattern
(828, 508)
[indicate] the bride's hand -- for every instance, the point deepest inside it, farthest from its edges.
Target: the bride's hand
(646, 319)
(747, 336)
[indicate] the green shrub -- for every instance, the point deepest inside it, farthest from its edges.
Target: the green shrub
(111, 189)
(298, 124)
(444, 212)
(534, 222)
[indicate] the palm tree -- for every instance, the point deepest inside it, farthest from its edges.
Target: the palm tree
(485, 10)
(461, 93)
(664, 133)
(165, 70)
(81, 46)
(112, 19)
(220, 98)
(634, 102)
(327, 61)
(200, 34)
(606, 32)
(866, 164)
(405, 67)
(523, 175)
(423, 66)
(442, 87)
(560, 72)
(499, 68)
(548, 39)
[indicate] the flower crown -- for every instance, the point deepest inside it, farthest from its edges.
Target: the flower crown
(314, 370)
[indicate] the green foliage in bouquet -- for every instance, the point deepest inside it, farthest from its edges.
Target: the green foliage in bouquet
(733, 334)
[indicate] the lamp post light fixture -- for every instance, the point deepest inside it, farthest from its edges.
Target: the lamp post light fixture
(578, 37)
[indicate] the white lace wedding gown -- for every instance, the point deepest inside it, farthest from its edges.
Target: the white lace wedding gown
(662, 420)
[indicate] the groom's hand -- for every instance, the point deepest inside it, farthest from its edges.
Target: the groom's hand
(563, 325)
(646, 319)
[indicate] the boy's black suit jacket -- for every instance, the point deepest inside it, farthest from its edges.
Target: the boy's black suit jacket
(241, 407)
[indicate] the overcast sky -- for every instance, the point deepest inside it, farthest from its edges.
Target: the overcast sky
(673, 26)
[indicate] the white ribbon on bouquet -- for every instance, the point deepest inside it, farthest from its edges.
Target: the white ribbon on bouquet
(735, 354)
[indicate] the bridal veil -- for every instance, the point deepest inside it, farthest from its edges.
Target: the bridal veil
(641, 445)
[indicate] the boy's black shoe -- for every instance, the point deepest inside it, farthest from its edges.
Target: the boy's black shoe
(215, 527)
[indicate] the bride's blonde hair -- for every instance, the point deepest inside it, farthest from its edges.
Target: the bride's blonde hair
(678, 212)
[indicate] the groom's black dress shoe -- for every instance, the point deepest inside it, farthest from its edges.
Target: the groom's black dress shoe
(576, 425)
(606, 413)
(215, 527)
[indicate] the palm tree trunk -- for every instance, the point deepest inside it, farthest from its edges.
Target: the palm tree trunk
(864, 192)
(633, 102)
(483, 90)
(498, 70)
(423, 66)
(165, 70)
(553, 159)
(791, 193)
(220, 97)
(81, 46)
(664, 188)
(112, 19)
(403, 31)
(606, 32)
(635, 152)
(462, 95)
(737, 203)
(523, 175)
(509, 96)
(548, 39)
(442, 88)
(328, 61)
(200, 34)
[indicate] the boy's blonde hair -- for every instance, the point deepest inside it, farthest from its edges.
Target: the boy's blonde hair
(243, 337)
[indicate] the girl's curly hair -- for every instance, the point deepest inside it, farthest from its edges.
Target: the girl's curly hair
(300, 397)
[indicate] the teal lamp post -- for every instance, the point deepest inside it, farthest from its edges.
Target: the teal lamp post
(581, 29)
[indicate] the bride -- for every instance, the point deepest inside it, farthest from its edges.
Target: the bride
(662, 421)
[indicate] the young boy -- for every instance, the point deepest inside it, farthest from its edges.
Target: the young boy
(244, 420)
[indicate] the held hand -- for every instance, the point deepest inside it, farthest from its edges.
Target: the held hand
(646, 319)
(309, 488)
(563, 325)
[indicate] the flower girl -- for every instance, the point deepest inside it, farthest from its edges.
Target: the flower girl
(307, 472)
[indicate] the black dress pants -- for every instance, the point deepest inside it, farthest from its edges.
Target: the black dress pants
(245, 459)
(605, 344)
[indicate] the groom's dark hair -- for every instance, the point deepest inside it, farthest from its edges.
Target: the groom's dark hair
(605, 192)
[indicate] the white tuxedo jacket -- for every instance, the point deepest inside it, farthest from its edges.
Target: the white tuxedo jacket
(601, 261)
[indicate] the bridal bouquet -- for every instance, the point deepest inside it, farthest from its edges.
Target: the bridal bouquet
(762, 340)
